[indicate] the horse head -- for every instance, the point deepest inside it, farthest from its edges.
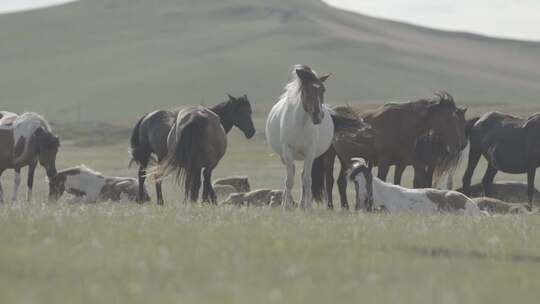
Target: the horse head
(241, 114)
(312, 92)
(360, 175)
(448, 122)
(47, 148)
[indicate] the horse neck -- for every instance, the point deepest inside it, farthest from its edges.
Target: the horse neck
(223, 111)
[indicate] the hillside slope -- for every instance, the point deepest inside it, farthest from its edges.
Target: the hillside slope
(115, 59)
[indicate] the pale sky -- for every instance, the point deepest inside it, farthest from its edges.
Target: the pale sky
(519, 19)
(9, 6)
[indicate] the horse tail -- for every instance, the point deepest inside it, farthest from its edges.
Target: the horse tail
(185, 156)
(136, 151)
(470, 123)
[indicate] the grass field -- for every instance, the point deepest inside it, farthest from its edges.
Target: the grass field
(94, 66)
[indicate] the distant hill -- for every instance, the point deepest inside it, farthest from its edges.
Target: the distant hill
(114, 60)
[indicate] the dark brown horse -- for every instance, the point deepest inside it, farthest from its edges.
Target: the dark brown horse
(509, 144)
(397, 126)
(25, 141)
(149, 136)
(432, 159)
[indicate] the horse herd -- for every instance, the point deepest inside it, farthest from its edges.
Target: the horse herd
(429, 134)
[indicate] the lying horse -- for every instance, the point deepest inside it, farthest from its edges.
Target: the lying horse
(373, 193)
(493, 205)
(92, 186)
(510, 144)
(150, 135)
(26, 140)
(256, 198)
(240, 183)
(514, 192)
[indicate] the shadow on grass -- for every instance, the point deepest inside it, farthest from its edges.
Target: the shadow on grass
(441, 252)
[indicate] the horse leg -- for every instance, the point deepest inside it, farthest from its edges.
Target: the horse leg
(398, 172)
(159, 191)
(342, 184)
(329, 179)
(307, 198)
(487, 181)
(382, 172)
(1, 190)
(288, 161)
(208, 191)
(141, 174)
(450, 178)
(530, 185)
(17, 183)
(30, 181)
(474, 157)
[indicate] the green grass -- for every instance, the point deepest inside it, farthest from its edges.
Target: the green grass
(94, 66)
(190, 254)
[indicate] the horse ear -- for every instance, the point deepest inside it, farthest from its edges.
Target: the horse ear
(463, 109)
(305, 75)
(231, 97)
(323, 78)
(245, 96)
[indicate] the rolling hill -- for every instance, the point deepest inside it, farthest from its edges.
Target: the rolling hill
(105, 60)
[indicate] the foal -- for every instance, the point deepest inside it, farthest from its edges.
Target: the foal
(371, 192)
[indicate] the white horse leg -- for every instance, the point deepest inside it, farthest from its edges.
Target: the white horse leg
(288, 161)
(16, 184)
(307, 198)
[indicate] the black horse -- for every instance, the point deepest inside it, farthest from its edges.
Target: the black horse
(149, 136)
(510, 144)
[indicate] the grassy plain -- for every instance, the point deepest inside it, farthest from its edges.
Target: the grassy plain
(94, 66)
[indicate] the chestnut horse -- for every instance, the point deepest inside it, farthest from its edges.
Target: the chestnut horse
(396, 126)
(151, 133)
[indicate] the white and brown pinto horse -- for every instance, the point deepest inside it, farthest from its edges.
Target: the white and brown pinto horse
(26, 140)
(300, 127)
(90, 186)
(373, 193)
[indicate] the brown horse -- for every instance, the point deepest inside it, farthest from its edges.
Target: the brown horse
(26, 140)
(397, 126)
(149, 136)
(431, 158)
(509, 144)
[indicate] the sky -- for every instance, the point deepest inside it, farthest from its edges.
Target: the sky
(10, 6)
(517, 19)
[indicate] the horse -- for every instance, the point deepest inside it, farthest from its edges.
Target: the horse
(92, 186)
(300, 127)
(507, 191)
(150, 135)
(26, 140)
(396, 127)
(240, 183)
(256, 198)
(432, 159)
(372, 192)
(509, 144)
